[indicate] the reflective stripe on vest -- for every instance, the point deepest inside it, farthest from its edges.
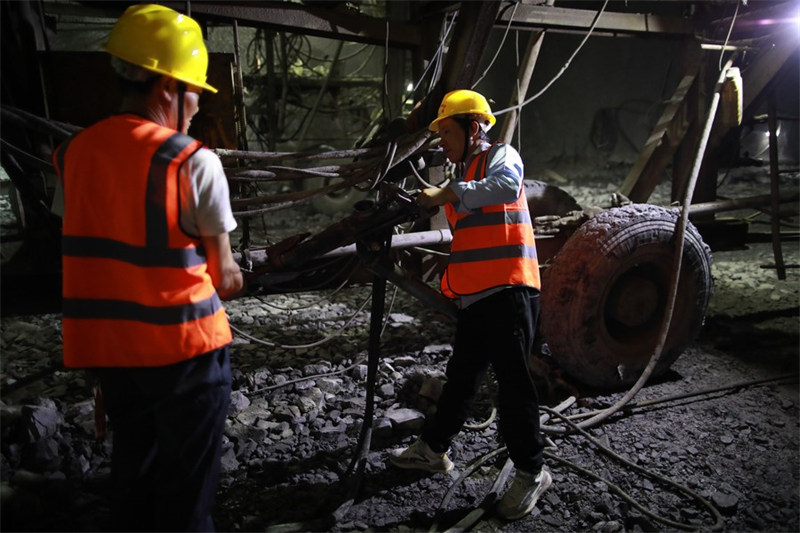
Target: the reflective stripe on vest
(492, 247)
(136, 287)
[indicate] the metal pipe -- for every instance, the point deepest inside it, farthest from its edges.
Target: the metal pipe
(417, 289)
(272, 137)
(403, 241)
(241, 121)
(772, 120)
(240, 110)
(399, 242)
(718, 206)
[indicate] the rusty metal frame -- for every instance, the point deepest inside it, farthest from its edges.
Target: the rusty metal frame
(332, 23)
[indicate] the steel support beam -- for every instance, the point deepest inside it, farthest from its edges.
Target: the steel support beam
(342, 24)
(473, 26)
(521, 88)
(549, 17)
(472, 30)
(346, 25)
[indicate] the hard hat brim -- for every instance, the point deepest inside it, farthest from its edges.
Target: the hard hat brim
(156, 70)
(434, 125)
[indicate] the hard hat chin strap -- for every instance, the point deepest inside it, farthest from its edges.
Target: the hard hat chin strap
(466, 125)
(181, 96)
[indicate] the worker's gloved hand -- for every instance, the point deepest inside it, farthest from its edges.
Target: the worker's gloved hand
(435, 196)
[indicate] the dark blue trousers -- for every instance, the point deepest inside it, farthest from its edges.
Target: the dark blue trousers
(497, 330)
(167, 425)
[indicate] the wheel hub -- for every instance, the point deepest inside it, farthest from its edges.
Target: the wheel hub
(633, 301)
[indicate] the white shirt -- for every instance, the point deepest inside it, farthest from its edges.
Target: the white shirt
(204, 196)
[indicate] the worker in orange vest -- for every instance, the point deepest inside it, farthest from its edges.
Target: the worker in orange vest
(493, 274)
(146, 263)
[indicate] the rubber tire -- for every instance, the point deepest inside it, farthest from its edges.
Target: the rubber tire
(546, 199)
(622, 255)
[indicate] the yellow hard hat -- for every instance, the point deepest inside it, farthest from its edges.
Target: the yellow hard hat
(463, 102)
(161, 40)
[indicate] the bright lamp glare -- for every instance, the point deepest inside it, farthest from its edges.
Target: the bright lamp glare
(795, 21)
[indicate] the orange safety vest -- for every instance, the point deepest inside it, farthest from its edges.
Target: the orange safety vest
(136, 287)
(491, 247)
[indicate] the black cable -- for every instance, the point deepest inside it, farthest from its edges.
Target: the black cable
(716, 526)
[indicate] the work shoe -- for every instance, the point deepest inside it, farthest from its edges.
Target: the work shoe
(419, 456)
(521, 498)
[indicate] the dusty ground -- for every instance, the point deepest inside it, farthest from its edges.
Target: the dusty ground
(736, 447)
(722, 424)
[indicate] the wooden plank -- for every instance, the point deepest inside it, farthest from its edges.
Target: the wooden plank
(660, 146)
(521, 87)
